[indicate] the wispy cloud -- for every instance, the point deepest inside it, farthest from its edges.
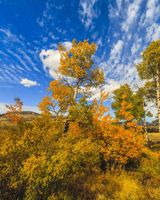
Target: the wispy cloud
(116, 51)
(108, 88)
(46, 16)
(88, 12)
(133, 25)
(10, 36)
(132, 15)
(153, 32)
(16, 57)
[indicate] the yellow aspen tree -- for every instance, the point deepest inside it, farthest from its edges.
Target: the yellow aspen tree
(14, 111)
(77, 76)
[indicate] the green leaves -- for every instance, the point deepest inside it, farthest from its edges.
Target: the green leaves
(147, 69)
(136, 100)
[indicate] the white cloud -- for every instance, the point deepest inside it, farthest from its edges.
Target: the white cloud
(3, 108)
(51, 59)
(119, 4)
(40, 22)
(9, 35)
(19, 58)
(67, 45)
(153, 32)
(151, 14)
(99, 42)
(46, 16)
(136, 45)
(109, 88)
(152, 11)
(116, 51)
(28, 83)
(87, 12)
(132, 14)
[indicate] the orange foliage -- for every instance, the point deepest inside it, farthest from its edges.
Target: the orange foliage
(119, 144)
(62, 94)
(44, 104)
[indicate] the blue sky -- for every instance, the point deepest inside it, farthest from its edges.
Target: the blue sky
(30, 31)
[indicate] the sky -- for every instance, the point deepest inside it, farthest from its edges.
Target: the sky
(30, 31)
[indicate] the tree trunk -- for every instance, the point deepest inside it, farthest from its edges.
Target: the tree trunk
(158, 96)
(76, 90)
(75, 93)
(67, 122)
(146, 132)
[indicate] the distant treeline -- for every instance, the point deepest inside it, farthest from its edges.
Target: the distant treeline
(152, 129)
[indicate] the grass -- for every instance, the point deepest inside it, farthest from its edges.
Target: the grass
(155, 137)
(155, 141)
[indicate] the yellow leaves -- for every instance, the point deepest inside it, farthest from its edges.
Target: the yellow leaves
(77, 62)
(124, 111)
(31, 166)
(129, 188)
(83, 48)
(99, 110)
(62, 94)
(59, 90)
(98, 76)
(44, 104)
(77, 74)
(74, 129)
(6, 147)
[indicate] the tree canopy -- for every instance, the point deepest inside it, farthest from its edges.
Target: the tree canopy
(77, 75)
(149, 70)
(136, 101)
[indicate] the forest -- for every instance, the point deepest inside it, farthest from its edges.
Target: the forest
(75, 149)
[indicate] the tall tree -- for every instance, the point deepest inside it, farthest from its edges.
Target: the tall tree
(149, 70)
(77, 76)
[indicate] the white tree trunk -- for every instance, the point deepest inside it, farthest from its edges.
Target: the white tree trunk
(158, 96)
(75, 93)
(146, 132)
